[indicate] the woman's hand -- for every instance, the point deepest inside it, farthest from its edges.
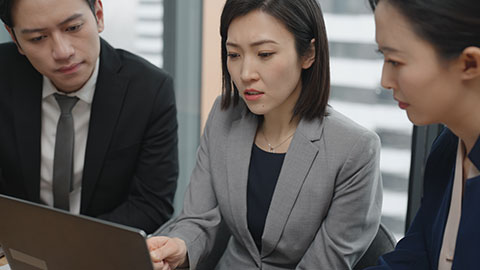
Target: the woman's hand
(167, 253)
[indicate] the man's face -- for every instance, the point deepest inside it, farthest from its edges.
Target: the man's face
(60, 38)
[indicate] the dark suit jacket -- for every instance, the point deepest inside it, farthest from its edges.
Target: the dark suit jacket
(131, 160)
(420, 248)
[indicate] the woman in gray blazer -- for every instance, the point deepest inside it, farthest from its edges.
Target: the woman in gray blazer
(297, 183)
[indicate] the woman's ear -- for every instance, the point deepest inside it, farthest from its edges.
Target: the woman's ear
(470, 62)
(309, 58)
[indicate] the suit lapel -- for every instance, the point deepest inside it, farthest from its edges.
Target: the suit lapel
(27, 98)
(239, 149)
(438, 227)
(106, 107)
(296, 166)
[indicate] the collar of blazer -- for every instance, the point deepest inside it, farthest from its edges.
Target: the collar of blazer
(474, 155)
(107, 104)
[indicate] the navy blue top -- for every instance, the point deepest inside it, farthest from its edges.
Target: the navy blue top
(420, 248)
(262, 178)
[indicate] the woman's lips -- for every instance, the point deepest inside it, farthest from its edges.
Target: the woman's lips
(252, 94)
(403, 105)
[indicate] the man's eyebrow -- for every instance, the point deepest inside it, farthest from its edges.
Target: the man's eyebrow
(69, 19)
(34, 30)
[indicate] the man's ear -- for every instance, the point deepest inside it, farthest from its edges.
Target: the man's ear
(14, 38)
(309, 58)
(470, 63)
(99, 15)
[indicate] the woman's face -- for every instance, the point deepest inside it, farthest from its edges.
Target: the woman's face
(425, 86)
(264, 64)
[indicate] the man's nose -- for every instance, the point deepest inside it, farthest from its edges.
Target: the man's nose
(62, 48)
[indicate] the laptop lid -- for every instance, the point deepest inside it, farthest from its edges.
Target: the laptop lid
(35, 237)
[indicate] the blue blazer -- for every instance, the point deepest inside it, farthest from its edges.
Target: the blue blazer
(420, 248)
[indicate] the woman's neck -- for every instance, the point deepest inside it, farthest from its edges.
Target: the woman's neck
(278, 127)
(275, 133)
(468, 135)
(464, 118)
(465, 123)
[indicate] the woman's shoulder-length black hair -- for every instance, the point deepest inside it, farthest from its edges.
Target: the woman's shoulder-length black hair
(304, 19)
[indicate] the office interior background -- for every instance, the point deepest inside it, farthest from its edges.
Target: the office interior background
(182, 36)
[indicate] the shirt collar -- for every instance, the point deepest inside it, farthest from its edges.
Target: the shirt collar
(85, 93)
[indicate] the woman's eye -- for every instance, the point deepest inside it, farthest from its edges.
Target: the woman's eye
(265, 54)
(233, 55)
(392, 62)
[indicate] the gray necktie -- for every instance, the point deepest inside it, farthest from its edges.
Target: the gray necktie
(63, 158)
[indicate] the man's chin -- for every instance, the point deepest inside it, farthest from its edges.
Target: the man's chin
(68, 87)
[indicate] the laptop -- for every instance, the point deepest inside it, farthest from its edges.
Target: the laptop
(35, 236)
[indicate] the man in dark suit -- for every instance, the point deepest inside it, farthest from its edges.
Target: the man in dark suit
(122, 162)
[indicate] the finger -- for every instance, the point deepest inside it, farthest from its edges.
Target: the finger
(156, 242)
(170, 249)
(166, 266)
(163, 253)
(158, 265)
(155, 258)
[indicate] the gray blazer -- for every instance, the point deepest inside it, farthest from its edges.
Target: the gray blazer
(325, 209)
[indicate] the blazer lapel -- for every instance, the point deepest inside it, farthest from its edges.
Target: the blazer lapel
(106, 107)
(239, 149)
(27, 96)
(298, 160)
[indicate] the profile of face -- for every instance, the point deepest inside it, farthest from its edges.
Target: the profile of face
(59, 38)
(424, 84)
(263, 63)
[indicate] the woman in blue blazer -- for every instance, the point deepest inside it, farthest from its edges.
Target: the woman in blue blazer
(296, 182)
(432, 64)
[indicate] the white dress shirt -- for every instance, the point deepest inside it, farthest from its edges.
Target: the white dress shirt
(81, 118)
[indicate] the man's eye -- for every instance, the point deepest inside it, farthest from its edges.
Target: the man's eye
(37, 39)
(74, 28)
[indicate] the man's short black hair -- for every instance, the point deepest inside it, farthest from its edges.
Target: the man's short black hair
(6, 10)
